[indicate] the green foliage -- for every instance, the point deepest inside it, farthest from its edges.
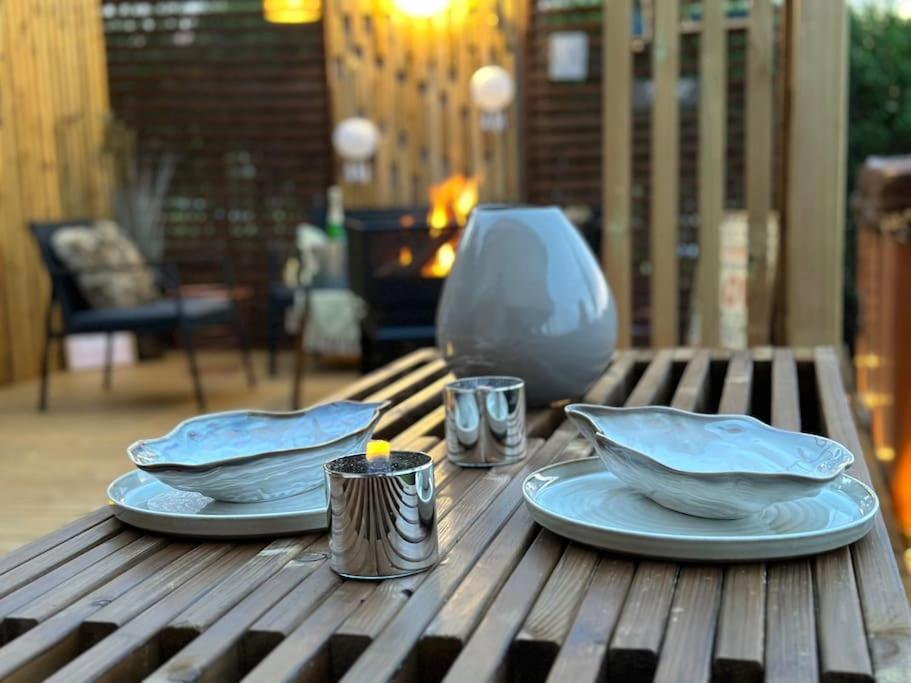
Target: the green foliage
(879, 86)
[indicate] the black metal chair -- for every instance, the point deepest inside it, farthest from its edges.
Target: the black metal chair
(174, 314)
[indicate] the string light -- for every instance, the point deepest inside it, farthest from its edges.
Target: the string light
(422, 8)
(292, 11)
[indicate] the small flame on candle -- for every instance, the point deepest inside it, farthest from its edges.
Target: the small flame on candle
(378, 456)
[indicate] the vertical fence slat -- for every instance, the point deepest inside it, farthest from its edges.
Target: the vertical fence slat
(617, 160)
(712, 141)
(759, 96)
(665, 168)
(816, 172)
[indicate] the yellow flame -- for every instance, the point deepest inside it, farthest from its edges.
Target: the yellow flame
(466, 201)
(441, 263)
(292, 11)
(378, 449)
(451, 201)
(405, 257)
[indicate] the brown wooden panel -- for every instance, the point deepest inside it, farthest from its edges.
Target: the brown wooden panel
(244, 105)
(617, 158)
(51, 153)
(712, 141)
(759, 152)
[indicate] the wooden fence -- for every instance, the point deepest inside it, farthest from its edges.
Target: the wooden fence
(243, 105)
(53, 105)
(811, 118)
(410, 76)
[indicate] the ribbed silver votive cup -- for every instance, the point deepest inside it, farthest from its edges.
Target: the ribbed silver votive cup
(382, 520)
(485, 421)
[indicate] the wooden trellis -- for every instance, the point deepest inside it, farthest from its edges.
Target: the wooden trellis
(53, 105)
(410, 77)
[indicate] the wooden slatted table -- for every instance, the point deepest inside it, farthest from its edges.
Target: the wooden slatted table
(98, 600)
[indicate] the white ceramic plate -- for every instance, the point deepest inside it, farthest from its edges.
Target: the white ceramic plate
(581, 500)
(143, 501)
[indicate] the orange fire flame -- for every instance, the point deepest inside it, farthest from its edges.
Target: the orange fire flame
(441, 263)
(450, 202)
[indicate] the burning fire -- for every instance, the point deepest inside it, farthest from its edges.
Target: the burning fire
(452, 201)
(441, 263)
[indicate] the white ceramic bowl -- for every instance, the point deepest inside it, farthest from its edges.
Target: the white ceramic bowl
(248, 456)
(718, 466)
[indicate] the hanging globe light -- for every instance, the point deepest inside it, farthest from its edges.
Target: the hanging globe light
(355, 139)
(292, 11)
(492, 90)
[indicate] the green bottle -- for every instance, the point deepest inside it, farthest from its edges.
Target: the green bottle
(335, 215)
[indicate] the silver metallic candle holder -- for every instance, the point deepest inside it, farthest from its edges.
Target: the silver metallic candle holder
(382, 515)
(485, 421)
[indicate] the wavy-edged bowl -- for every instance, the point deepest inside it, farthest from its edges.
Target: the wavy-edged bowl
(249, 456)
(717, 466)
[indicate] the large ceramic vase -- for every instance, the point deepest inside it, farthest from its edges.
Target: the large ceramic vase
(526, 298)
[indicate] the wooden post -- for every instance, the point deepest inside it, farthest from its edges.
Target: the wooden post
(665, 170)
(617, 160)
(712, 147)
(760, 63)
(815, 199)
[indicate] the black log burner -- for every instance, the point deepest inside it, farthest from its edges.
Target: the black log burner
(397, 264)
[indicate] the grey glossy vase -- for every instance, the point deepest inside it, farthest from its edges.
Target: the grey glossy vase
(526, 298)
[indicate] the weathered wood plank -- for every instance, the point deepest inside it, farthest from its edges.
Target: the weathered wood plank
(537, 643)
(584, 653)
(413, 380)
(260, 568)
(687, 652)
(42, 650)
(887, 619)
(790, 652)
(485, 654)
(758, 151)
(31, 569)
(459, 616)
(45, 583)
(303, 654)
(634, 649)
(130, 651)
(637, 639)
(395, 418)
(375, 380)
(215, 655)
(617, 160)
(665, 131)
(156, 588)
(741, 623)
(45, 543)
(34, 605)
(815, 168)
(712, 153)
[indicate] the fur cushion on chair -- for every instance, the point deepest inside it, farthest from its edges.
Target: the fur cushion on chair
(110, 271)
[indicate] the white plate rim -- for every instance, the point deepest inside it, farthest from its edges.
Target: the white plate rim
(540, 512)
(220, 524)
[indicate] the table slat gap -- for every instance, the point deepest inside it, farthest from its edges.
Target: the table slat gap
(740, 641)
(791, 649)
(887, 618)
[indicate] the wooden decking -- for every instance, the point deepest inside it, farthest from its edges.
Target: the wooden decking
(56, 465)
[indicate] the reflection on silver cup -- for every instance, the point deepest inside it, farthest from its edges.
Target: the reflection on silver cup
(382, 523)
(485, 421)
